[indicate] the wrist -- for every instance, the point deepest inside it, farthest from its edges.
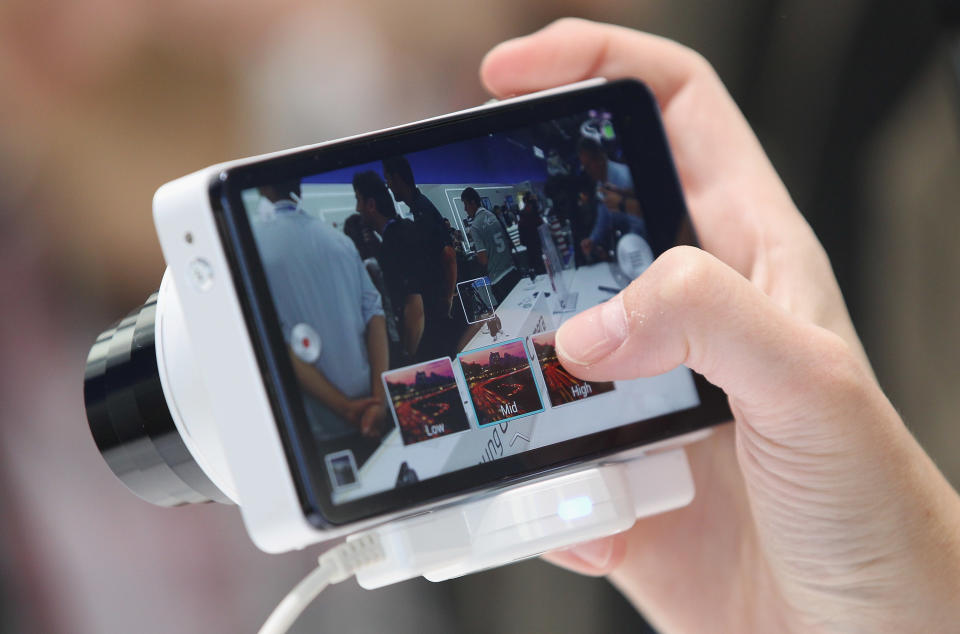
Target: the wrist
(341, 406)
(931, 571)
(900, 571)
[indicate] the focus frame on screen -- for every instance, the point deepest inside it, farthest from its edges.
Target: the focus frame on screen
(637, 122)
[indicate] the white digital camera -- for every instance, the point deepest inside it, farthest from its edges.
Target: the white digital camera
(360, 334)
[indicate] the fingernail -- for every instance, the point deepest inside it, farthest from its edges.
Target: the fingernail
(596, 553)
(593, 334)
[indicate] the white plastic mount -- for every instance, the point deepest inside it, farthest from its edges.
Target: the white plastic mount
(526, 521)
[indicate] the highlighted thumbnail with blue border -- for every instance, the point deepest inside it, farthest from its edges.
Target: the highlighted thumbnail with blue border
(500, 382)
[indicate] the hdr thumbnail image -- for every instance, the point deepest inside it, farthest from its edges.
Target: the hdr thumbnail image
(563, 387)
(501, 382)
(425, 401)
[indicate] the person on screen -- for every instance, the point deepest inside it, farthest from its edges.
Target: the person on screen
(528, 226)
(362, 236)
(409, 280)
(504, 214)
(617, 207)
(456, 238)
(492, 244)
(368, 246)
(437, 244)
(338, 355)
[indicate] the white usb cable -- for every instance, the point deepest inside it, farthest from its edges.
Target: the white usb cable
(335, 565)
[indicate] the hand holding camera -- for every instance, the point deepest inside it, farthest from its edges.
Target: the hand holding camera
(818, 510)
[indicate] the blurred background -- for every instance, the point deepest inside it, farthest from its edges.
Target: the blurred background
(102, 101)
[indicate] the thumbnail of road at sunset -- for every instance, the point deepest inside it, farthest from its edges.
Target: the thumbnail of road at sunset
(563, 387)
(501, 382)
(426, 401)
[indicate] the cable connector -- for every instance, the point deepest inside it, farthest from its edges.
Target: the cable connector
(337, 564)
(347, 558)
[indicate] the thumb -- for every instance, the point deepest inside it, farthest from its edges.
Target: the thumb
(690, 309)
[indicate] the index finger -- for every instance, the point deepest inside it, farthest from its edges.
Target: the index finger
(705, 126)
(571, 49)
(733, 192)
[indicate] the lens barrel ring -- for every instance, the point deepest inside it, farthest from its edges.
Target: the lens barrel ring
(130, 419)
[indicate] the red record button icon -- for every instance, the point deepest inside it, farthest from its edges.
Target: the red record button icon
(305, 342)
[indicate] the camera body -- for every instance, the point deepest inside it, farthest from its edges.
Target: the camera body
(222, 435)
(241, 417)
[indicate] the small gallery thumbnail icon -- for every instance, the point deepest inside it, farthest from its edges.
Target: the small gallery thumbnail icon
(476, 297)
(342, 469)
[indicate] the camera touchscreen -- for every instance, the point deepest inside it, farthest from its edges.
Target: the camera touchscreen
(419, 296)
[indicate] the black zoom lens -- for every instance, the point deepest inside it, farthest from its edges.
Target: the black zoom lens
(130, 419)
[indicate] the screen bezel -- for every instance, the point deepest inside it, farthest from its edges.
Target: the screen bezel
(644, 143)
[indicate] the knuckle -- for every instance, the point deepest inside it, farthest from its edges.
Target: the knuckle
(840, 368)
(687, 276)
(699, 65)
(695, 65)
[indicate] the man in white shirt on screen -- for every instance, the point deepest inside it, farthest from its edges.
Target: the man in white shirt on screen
(492, 244)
